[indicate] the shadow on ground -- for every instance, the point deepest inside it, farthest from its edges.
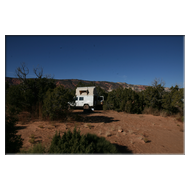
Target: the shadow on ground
(123, 149)
(99, 119)
(86, 112)
(87, 116)
(20, 127)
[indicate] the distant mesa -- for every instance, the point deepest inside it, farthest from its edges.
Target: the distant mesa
(72, 83)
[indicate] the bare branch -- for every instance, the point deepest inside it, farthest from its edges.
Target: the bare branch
(22, 71)
(48, 76)
(38, 72)
(157, 82)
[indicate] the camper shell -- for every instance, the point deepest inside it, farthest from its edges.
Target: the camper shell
(87, 97)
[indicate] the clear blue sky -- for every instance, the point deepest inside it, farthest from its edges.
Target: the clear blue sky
(130, 59)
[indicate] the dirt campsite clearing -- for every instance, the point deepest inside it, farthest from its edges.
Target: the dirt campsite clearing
(131, 133)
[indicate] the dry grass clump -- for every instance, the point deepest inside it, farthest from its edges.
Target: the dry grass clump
(112, 128)
(130, 131)
(145, 138)
(100, 132)
(152, 111)
(24, 117)
(108, 134)
(141, 137)
(102, 123)
(88, 125)
(179, 117)
(148, 110)
(32, 139)
(164, 113)
(51, 127)
(131, 142)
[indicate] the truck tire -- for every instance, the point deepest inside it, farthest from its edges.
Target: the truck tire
(86, 107)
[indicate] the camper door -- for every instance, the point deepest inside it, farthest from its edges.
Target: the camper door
(81, 101)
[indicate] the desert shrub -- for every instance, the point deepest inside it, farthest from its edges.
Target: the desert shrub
(156, 112)
(35, 149)
(13, 142)
(128, 106)
(124, 100)
(179, 117)
(76, 143)
(56, 102)
(15, 98)
(108, 106)
(164, 113)
(150, 110)
(182, 118)
(173, 100)
(153, 96)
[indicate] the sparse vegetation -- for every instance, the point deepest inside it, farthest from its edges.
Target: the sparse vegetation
(100, 132)
(124, 133)
(154, 100)
(76, 143)
(35, 149)
(89, 125)
(164, 113)
(13, 142)
(32, 139)
(181, 130)
(40, 97)
(131, 131)
(108, 134)
(56, 103)
(146, 140)
(51, 127)
(112, 128)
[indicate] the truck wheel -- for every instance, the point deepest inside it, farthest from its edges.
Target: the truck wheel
(86, 107)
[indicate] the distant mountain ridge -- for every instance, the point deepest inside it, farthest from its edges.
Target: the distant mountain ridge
(72, 83)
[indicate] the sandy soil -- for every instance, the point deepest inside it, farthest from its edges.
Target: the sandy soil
(132, 133)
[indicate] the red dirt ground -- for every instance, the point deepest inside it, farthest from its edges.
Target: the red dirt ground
(141, 134)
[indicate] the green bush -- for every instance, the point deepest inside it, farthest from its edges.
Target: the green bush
(173, 100)
(13, 142)
(56, 103)
(35, 149)
(124, 100)
(15, 98)
(76, 143)
(153, 96)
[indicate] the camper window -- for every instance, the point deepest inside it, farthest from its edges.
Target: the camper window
(81, 98)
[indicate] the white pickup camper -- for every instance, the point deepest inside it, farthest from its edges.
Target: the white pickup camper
(87, 97)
